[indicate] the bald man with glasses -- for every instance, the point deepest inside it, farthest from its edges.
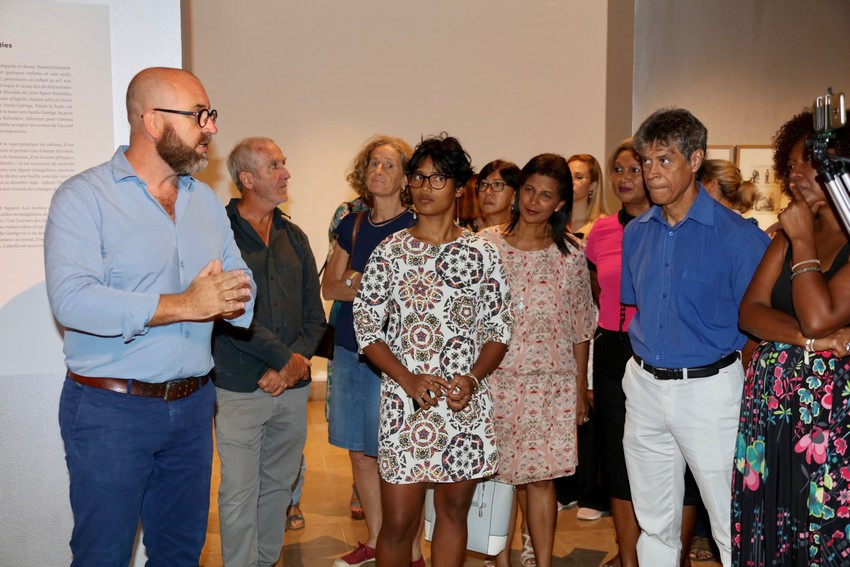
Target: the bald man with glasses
(140, 260)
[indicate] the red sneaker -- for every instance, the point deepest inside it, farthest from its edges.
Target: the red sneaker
(361, 555)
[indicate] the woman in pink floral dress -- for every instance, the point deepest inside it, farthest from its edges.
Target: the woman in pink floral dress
(540, 388)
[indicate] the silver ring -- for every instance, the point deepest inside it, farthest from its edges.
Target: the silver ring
(586, 419)
(847, 346)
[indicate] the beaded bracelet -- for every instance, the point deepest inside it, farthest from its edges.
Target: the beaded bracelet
(474, 379)
(804, 270)
(798, 264)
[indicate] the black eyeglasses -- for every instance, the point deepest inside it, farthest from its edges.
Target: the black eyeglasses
(435, 180)
(204, 115)
(496, 186)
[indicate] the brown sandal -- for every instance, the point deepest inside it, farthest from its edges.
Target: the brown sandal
(294, 518)
(701, 549)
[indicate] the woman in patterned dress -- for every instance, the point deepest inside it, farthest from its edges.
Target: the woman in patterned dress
(433, 313)
(791, 481)
(540, 388)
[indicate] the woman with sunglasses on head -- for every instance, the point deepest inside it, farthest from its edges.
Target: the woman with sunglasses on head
(433, 313)
(540, 388)
(791, 480)
(378, 175)
(497, 183)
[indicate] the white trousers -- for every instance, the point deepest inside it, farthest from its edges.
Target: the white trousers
(670, 423)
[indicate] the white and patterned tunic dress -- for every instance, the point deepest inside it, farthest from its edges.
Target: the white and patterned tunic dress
(434, 306)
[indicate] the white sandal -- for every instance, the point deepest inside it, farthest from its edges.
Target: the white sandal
(526, 557)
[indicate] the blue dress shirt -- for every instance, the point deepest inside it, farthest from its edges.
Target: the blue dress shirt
(687, 282)
(111, 250)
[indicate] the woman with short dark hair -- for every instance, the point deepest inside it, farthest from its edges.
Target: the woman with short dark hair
(497, 183)
(433, 313)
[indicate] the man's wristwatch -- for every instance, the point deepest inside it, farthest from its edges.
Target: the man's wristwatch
(349, 281)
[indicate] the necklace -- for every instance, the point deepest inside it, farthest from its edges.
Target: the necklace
(386, 222)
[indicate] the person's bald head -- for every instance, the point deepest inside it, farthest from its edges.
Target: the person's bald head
(163, 87)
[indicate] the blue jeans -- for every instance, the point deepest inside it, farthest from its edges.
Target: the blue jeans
(355, 407)
(132, 458)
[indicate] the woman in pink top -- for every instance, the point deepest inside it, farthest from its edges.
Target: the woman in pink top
(612, 348)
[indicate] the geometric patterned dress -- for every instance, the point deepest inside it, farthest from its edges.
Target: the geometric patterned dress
(434, 306)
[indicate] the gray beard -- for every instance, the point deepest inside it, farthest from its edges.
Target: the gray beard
(180, 157)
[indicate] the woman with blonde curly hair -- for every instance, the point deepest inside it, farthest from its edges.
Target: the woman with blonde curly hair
(378, 175)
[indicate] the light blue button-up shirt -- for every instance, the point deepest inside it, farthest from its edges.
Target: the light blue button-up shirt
(111, 250)
(687, 282)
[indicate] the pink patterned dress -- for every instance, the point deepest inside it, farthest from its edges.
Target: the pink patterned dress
(534, 389)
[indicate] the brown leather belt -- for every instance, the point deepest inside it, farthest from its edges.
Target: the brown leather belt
(168, 391)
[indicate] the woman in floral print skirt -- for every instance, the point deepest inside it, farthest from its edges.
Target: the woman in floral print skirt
(791, 481)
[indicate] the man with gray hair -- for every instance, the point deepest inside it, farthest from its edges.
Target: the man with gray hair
(262, 375)
(686, 265)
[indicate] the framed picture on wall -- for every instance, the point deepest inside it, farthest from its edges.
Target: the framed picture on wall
(721, 152)
(756, 165)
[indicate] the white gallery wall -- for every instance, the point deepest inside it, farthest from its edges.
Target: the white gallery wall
(509, 79)
(743, 67)
(35, 516)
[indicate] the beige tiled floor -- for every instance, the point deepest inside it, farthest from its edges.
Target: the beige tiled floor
(330, 532)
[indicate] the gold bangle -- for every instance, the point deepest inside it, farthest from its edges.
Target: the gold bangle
(474, 379)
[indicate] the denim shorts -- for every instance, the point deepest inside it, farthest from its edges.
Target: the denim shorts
(355, 406)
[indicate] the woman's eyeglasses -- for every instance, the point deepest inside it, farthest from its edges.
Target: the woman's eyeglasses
(496, 186)
(435, 180)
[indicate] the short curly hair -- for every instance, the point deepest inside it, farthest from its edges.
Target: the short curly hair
(788, 135)
(800, 127)
(447, 155)
(356, 176)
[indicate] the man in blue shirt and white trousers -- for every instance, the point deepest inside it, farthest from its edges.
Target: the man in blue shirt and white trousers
(140, 259)
(686, 265)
